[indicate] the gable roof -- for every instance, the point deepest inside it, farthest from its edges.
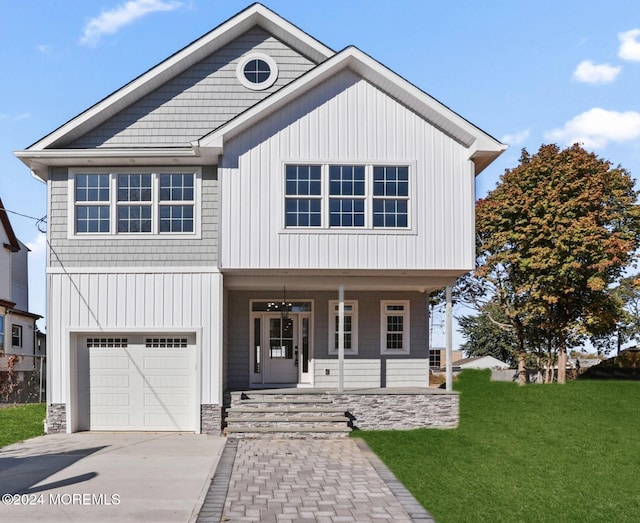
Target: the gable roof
(14, 244)
(483, 147)
(465, 361)
(255, 14)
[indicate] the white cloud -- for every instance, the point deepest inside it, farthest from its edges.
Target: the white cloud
(629, 45)
(22, 116)
(597, 127)
(44, 48)
(38, 246)
(516, 138)
(110, 22)
(591, 73)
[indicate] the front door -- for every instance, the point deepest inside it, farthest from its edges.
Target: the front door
(281, 337)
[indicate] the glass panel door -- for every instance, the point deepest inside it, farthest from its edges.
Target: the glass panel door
(281, 362)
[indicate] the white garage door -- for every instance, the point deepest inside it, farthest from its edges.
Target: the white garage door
(146, 386)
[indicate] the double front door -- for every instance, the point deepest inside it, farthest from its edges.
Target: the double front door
(280, 348)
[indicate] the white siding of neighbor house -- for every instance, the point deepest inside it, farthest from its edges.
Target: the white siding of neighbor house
(344, 120)
(198, 100)
(113, 302)
(5, 266)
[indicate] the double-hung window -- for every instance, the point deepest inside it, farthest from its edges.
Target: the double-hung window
(16, 335)
(390, 196)
(303, 196)
(394, 327)
(346, 196)
(93, 201)
(137, 202)
(350, 327)
(357, 196)
(1, 332)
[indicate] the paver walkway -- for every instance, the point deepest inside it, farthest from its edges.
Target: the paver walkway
(306, 480)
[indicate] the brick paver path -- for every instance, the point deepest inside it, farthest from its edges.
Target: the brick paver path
(311, 480)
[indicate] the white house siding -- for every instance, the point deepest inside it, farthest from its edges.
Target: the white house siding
(199, 100)
(120, 251)
(346, 119)
(366, 369)
(20, 278)
(115, 302)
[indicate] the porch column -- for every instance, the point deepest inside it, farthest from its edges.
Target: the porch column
(449, 339)
(341, 338)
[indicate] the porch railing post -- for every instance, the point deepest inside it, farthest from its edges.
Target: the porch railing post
(341, 338)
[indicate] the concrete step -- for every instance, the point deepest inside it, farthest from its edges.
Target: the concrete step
(297, 401)
(308, 431)
(287, 419)
(287, 410)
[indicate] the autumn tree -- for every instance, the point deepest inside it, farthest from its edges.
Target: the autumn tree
(553, 236)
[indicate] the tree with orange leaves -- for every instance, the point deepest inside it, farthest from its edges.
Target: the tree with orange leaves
(552, 237)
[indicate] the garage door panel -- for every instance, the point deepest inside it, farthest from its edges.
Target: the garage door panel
(142, 388)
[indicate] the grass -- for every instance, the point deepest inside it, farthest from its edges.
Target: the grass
(535, 453)
(21, 422)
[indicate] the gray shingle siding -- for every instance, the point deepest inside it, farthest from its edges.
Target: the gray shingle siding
(118, 251)
(199, 100)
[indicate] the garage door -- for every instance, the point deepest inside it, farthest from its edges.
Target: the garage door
(147, 386)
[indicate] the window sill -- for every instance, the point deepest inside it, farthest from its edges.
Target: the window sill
(395, 352)
(135, 236)
(348, 230)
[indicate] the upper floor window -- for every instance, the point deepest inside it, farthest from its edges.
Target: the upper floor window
(144, 202)
(394, 327)
(347, 196)
(1, 332)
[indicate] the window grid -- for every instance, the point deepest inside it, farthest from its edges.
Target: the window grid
(16, 335)
(337, 196)
(94, 193)
(143, 203)
(105, 343)
(391, 196)
(166, 343)
(347, 180)
(257, 71)
(303, 196)
(394, 327)
(350, 326)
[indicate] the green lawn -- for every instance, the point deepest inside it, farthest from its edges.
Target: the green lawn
(21, 422)
(568, 453)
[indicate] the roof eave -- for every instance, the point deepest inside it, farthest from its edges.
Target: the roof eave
(40, 161)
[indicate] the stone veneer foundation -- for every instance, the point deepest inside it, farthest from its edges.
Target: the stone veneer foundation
(56, 418)
(377, 409)
(210, 419)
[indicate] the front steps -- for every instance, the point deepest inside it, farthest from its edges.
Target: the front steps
(267, 415)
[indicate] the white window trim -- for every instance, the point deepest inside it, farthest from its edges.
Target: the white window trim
(325, 197)
(273, 76)
(20, 336)
(406, 334)
(155, 203)
(333, 313)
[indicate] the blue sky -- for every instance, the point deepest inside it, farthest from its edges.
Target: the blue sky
(525, 72)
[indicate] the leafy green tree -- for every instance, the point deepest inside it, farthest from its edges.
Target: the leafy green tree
(553, 236)
(485, 337)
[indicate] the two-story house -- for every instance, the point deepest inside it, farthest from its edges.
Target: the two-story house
(17, 324)
(241, 215)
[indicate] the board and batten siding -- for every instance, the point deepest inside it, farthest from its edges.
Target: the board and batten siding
(112, 303)
(198, 100)
(346, 119)
(114, 250)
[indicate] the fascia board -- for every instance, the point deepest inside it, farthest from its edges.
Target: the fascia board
(255, 14)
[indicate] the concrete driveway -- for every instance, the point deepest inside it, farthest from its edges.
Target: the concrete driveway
(99, 476)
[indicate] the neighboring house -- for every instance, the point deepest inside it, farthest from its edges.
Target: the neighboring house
(17, 324)
(480, 362)
(438, 357)
(203, 218)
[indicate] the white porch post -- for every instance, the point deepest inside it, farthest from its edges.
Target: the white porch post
(449, 339)
(341, 338)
